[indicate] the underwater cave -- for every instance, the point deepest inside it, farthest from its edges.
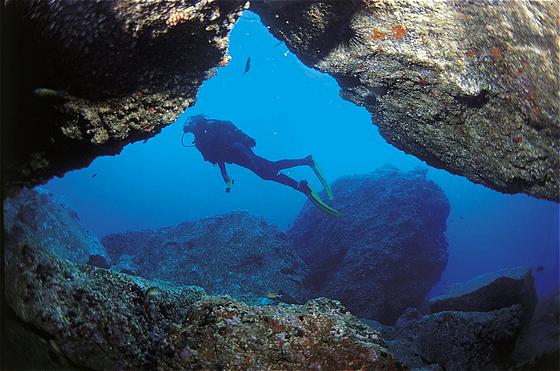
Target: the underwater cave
(139, 258)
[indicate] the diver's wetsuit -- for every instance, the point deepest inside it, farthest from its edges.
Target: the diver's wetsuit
(221, 142)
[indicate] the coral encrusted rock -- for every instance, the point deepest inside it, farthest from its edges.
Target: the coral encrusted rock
(88, 77)
(468, 86)
(46, 220)
(387, 250)
(235, 254)
(100, 319)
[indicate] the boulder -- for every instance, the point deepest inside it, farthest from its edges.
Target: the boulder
(99, 319)
(538, 347)
(387, 250)
(235, 254)
(41, 218)
(491, 291)
(459, 340)
(98, 261)
(470, 87)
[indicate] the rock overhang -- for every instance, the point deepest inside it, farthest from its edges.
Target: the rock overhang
(469, 88)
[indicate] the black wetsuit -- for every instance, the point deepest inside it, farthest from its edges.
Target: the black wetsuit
(221, 142)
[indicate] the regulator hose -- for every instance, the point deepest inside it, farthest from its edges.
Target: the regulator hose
(183, 143)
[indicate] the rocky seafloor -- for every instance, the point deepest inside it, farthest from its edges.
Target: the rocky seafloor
(78, 312)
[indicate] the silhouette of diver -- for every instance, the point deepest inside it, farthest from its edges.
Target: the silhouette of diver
(221, 142)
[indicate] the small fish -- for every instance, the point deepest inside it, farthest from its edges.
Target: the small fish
(278, 44)
(272, 295)
(153, 292)
(174, 329)
(94, 175)
(50, 93)
(540, 268)
(247, 65)
(54, 346)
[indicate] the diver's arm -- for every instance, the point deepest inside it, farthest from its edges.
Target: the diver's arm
(223, 171)
(227, 179)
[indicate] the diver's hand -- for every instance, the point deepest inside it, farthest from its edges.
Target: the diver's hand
(229, 184)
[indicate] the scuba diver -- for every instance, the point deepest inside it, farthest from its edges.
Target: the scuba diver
(221, 142)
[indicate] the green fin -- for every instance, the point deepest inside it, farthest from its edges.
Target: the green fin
(323, 180)
(314, 197)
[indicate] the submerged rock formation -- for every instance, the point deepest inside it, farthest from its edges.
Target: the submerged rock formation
(471, 87)
(235, 254)
(455, 340)
(41, 218)
(87, 77)
(99, 319)
(491, 291)
(387, 250)
(538, 347)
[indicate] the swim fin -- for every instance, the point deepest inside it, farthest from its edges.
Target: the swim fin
(314, 197)
(322, 179)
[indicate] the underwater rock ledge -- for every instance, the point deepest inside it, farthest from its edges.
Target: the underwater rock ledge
(100, 319)
(470, 87)
(234, 254)
(85, 78)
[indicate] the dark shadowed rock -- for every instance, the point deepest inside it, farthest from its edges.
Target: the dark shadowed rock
(454, 340)
(449, 83)
(45, 220)
(235, 254)
(460, 340)
(108, 73)
(490, 292)
(538, 347)
(387, 250)
(98, 261)
(471, 86)
(100, 319)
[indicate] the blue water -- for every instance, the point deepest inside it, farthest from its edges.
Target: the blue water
(293, 111)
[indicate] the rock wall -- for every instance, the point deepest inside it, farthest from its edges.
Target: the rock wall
(538, 347)
(471, 87)
(41, 218)
(84, 78)
(235, 254)
(459, 340)
(100, 319)
(387, 250)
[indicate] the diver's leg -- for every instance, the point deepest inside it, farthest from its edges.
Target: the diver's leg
(286, 164)
(268, 170)
(262, 167)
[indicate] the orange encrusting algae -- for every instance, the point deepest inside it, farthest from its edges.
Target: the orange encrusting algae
(496, 53)
(399, 31)
(378, 34)
(471, 54)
